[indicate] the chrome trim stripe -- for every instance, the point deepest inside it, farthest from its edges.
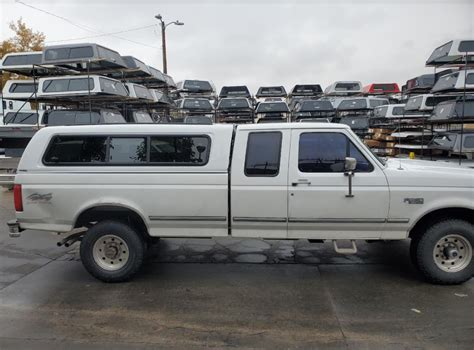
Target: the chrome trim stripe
(188, 218)
(337, 220)
(398, 221)
(258, 219)
(348, 221)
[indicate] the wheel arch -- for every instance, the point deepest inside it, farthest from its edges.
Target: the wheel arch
(438, 215)
(112, 211)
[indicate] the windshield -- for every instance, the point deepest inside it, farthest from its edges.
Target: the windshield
(307, 90)
(446, 83)
(378, 102)
(111, 117)
(385, 87)
(197, 85)
(197, 104)
(446, 141)
(274, 107)
(414, 103)
(143, 117)
(355, 122)
(235, 91)
(398, 110)
(21, 118)
(353, 104)
(439, 52)
(198, 119)
(233, 103)
(23, 88)
(310, 106)
(347, 86)
(380, 112)
(271, 91)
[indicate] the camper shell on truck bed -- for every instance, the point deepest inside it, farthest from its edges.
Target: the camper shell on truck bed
(121, 186)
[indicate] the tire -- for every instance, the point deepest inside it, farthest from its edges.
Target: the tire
(444, 253)
(112, 251)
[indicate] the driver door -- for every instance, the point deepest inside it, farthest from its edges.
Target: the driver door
(318, 203)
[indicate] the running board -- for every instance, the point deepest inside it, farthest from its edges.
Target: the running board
(350, 250)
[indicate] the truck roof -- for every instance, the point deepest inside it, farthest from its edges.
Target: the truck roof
(181, 128)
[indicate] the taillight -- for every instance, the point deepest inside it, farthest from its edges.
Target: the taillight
(17, 198)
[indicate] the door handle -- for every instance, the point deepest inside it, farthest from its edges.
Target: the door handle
(301, 182)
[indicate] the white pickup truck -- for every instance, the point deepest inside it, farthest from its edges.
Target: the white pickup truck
(115, 188)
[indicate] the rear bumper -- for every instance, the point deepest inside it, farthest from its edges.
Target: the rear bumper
(14, 228)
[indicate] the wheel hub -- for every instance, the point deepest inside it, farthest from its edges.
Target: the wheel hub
(452, 253)
(110, 252)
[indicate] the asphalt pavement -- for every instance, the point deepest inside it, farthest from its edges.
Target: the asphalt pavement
(227, 293)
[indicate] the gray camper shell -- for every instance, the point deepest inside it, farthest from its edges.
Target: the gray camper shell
(454, 110)
(235, 91)
(420, 84)
(310, 109)
(271, 91)
(83, 57)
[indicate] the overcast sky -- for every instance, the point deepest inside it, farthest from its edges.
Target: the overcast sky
(262, 42)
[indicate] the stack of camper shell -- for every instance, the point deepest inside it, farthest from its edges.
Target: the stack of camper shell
(235, 105)
(410, 129)
(356, 112)
(452, 120)
(79, 84)
(380, 138)
(301, 92)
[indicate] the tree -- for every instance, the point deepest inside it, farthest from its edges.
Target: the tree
(25, 39)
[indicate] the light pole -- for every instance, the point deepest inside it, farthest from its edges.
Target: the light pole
(163, 39)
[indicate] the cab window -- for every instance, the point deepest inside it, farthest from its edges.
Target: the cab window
(325, 152)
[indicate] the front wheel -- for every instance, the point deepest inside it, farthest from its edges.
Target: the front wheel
(444, 253)
(112, 251)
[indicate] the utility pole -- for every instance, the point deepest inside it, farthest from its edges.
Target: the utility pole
(163, 39)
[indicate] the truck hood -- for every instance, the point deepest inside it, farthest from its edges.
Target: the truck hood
(424, 173)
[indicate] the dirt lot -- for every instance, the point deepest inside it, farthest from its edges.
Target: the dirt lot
(238, 293)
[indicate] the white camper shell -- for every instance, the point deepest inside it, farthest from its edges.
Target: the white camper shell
(25, 63)
(139, 92)
(19, 90)
(453, 53)
(455, 82)
(344, 88)
(77, 88)
(390, 111)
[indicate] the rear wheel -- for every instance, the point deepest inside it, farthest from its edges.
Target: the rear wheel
(112, 251)
(444, 253)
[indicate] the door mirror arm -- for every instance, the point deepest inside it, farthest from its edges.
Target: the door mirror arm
(350, 165)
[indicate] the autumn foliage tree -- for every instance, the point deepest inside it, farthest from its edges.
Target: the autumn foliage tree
(24, 39)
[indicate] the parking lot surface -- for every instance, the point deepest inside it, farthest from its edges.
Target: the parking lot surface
(227, 293)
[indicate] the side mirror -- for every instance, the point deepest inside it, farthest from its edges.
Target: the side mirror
(350, 164)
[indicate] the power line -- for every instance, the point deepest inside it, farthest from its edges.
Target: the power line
(84, 27)
(99, 35)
